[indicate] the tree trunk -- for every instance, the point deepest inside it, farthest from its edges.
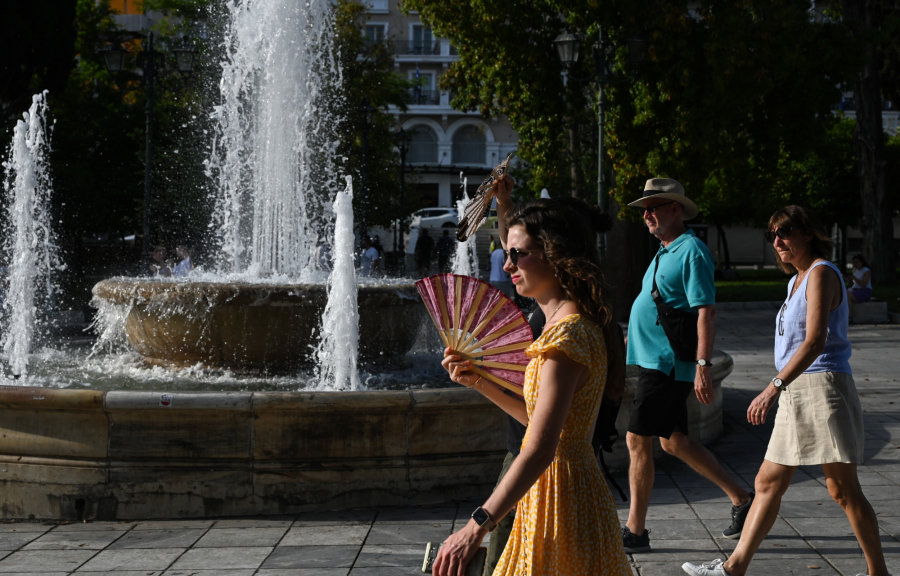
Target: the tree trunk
(725, 253)
(876, 225)
(627, 258)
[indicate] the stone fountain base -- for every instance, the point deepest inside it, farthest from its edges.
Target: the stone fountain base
(255, 326)
(88, 454)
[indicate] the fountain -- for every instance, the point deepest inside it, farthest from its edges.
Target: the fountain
(251, 398)
(465, 259)
(29, 247)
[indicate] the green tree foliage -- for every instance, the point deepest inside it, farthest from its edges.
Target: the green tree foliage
(369, 78)
(824, 179)
(725, 91)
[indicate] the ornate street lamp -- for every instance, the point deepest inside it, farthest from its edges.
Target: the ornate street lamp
(567, 46)
(148, 60)
(114, 58)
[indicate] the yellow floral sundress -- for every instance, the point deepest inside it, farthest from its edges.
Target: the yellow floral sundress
(566, 524)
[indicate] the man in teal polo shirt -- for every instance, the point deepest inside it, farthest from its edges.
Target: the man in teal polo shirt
(685, 281)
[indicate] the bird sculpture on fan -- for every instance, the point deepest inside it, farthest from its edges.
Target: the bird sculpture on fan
(480, 206)
(479, 323)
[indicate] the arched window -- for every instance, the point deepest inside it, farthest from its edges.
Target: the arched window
(422, 146)
(468, 146)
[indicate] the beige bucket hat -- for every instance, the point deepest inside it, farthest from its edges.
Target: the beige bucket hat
(670, 190)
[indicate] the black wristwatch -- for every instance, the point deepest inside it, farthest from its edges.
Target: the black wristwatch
(778, 383)
(482, 519)
(703, 362)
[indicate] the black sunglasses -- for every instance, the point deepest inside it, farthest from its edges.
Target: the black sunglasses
(514, 254)
(652, 209)
(784, 233)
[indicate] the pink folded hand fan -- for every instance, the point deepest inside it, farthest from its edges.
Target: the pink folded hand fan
(481, 324)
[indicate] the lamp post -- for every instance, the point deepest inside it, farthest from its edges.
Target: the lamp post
(368, 118)
(568, 47)
(402, 138)
(148, 60)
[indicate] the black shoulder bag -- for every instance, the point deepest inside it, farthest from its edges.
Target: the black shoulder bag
(680, 326)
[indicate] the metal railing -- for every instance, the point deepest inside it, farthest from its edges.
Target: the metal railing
(417, 47)
(425, 97)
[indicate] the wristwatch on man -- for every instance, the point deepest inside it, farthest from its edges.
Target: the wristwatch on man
(483, 519)
(703, 363)
(778, 383)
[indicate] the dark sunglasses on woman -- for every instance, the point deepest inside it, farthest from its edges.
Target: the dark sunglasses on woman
(514, 254)
(784, 233)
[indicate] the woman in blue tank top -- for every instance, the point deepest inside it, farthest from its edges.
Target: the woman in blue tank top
(819, 420)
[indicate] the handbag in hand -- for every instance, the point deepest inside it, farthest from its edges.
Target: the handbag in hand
(680, 326)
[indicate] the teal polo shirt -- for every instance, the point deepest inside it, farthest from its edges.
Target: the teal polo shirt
(685, 281)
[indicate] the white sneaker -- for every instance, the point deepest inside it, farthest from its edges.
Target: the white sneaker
(714, 568)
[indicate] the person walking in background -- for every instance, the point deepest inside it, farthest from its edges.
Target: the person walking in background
(445, 246)
(683, 272)
(819, 420)
(422, 252)
(499, 278)
(491, 244)
(370, 260)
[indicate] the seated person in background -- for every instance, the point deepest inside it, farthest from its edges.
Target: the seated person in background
(184, 261)
(159, 266)
(861, 290)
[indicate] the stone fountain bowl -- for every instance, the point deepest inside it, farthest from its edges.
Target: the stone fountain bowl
(104, 455)
(255, 326)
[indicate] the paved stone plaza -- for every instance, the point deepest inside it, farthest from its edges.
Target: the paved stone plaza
(687, 514)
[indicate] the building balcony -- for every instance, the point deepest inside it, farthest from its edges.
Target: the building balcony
(425, 97)
(417, 48)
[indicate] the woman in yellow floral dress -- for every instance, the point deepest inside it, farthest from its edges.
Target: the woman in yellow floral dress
(566, 521)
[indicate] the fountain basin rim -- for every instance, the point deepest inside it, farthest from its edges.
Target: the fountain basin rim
(110, 400)
(136, 291)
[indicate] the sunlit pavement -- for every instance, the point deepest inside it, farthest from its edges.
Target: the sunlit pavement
(687, 514)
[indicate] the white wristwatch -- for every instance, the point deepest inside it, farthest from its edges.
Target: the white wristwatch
(778, 383)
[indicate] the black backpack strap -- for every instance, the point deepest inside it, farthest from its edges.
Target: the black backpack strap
(610, 477)
(655, 292)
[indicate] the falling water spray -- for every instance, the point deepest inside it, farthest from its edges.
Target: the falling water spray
(274, 161)
(339, 344)
(465, 260)
(29, 245)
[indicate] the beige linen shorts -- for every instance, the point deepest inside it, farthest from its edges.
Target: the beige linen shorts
(819, 421)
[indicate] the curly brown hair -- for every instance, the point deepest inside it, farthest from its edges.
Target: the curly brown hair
(566, 230)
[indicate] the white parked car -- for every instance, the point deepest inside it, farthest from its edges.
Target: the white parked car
(435, 218)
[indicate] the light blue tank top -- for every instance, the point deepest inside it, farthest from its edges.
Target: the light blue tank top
(790, 331)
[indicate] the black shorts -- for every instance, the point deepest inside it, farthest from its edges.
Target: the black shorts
(660, 405)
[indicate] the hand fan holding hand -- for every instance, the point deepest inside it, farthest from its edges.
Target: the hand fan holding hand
(480, 325)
